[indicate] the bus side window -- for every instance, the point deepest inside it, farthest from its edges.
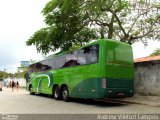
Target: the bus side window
(38, 67)
(59, 62)
(88, 55)
(92, 55)
(71, 59)
(51, 63)
(81, 57)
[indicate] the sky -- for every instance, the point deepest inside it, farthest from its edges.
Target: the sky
(19, 19)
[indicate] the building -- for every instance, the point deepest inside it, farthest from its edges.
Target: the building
(25, 63)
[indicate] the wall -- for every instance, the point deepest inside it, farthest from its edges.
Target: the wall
(147, 78)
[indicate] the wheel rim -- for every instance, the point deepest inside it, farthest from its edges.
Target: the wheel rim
(65, 94)
(31, 90)
(56, 93)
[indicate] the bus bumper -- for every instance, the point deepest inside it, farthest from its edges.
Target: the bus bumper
(119, 93)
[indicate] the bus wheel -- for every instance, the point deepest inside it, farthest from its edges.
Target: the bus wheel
(31, 90)
(65, 94)
(56, 93)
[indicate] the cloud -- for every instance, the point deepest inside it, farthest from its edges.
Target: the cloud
(139, 50)
(19, 20)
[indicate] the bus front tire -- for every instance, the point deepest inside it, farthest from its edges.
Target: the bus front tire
(31, 90)
(56, 93)
(65, 94)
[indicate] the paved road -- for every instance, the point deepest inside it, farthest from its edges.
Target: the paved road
(21, 102)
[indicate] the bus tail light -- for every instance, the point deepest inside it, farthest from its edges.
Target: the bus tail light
(103, 83)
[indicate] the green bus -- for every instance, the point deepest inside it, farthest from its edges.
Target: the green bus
(102, 69)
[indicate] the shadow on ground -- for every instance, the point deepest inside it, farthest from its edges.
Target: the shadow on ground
(100, 103)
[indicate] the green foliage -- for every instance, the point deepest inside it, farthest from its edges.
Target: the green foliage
(3, 75)
(21, 73)
(76, 22)
(11, 75)
(156, 52)
(141, 1)
(42, 40)
(67, 27)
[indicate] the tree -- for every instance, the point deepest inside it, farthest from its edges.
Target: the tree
(3, 75)
(156, 52)
(72, 22)
(11, 75)
(20, 74)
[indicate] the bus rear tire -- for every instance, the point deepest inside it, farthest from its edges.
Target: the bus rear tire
(31, 90)
(56, 93)
(65, 94)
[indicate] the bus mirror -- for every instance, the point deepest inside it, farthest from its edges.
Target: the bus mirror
(26, 76)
